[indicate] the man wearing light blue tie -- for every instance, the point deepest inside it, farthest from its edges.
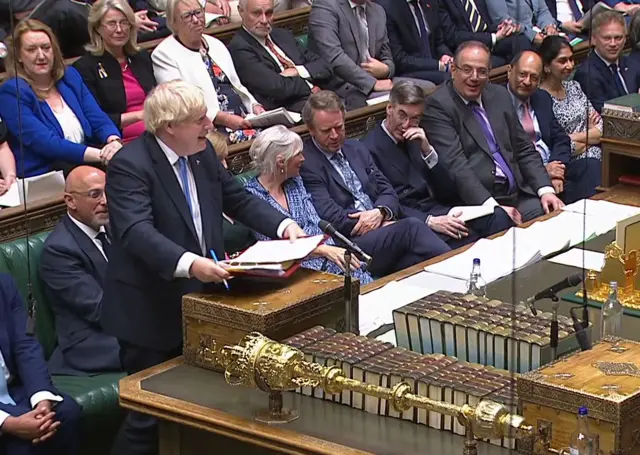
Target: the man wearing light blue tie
(34, 417)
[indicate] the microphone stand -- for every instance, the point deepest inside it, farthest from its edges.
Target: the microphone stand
(351, 322)
(555, 303)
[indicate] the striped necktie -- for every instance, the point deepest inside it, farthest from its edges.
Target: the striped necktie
(475, 19)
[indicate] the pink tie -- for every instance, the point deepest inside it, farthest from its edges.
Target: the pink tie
(527, 122)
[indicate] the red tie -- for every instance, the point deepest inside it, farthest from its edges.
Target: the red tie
(284, 61)
(527, 122)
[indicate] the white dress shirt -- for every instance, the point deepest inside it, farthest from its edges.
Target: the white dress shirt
(35, 398)
(91, 233)
(564, 10)
(617, 62)
(491, 202)
(187, 259)
(415, 17)
(542, 148)
(302, 71)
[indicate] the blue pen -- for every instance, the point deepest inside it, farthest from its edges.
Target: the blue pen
(215, 259)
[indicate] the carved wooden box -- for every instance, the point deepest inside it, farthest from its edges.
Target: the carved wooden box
(622, 126)
(275, 308)
(605, 379)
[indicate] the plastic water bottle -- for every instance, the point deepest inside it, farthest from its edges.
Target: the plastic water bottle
(582, 442)
(611, 315)
(476, 284)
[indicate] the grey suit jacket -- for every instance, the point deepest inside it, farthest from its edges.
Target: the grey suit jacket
(335, 37)
(458, 138)
(527, 13)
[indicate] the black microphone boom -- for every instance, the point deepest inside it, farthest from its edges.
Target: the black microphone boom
(328, 229)
(568, 282)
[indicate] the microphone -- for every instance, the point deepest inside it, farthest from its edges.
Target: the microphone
(568, 282)
(582, 336)
(328, 229)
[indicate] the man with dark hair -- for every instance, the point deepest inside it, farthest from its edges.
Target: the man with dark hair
(473, 126)
(606, 73)
(402, 152)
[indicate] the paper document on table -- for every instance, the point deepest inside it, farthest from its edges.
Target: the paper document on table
(438, 282)
(378, 100)
(499, 257)
(388, 337)
(277, 251)
(12, 197)
(472, 212)
(602, 209)
(582, 259)
(376, 307)
(548, 235)
(279, 116)
(42, 186)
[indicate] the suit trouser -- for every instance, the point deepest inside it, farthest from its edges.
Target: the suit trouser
(583, 176)
(504, 50)
(400, 245)
(528, 205)
(481, 228)
(64, 442)
(138, 434)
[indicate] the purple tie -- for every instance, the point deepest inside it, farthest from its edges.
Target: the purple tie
(425, 45)
(481, 116)
(577, 14)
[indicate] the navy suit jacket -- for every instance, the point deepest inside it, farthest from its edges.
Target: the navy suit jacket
(553, 6)
(596, 79)
(331, 197)
(552, 133)
(22, 353)
(43, 141)
(404, 38)
(73, 271)
(418, 187)
(152, 228)
(456, 27)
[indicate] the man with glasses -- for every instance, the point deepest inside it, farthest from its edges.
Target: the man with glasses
(475, 130)
(400, 149)
(73, 268)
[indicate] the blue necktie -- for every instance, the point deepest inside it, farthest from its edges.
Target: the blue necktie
(350, 178)
(184, 178)
(424, 33)
(616, 79)
(5, 398)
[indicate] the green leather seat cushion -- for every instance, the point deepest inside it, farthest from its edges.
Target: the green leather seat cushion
(303, 40)
(98, 395)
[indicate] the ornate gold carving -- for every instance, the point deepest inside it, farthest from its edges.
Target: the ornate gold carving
(273, 367)
(563, 375)
(618, 368)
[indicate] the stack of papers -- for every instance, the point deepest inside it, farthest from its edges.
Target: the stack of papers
(471, 212)
(279, 116)
(602, 209)
(376, 307)
(582, 259)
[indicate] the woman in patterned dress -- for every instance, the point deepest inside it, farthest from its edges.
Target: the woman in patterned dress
(204, 61)
(277, 156)
(576, 114)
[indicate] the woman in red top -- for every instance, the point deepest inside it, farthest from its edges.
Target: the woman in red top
(116, 70)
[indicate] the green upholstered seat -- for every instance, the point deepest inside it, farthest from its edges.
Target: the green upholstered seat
(303, 40)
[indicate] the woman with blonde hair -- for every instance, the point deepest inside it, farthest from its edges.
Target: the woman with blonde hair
(118, 73)
(202, 60)
(277, 156)
(52, 118)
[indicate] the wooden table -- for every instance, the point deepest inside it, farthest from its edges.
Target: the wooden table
(198, 411)
(620, 147)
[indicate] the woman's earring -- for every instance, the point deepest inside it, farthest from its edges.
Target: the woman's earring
(282, 170)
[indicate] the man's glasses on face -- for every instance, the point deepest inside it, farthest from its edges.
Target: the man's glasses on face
(468, 71)
(91, 194)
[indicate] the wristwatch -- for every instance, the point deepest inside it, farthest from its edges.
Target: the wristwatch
(387, 214)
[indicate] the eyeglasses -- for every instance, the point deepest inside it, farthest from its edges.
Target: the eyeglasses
(189, 15)
(113, 25)
(91, 194)
(404, 117)
(481, 73)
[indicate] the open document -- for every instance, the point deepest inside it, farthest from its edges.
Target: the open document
(279, 116)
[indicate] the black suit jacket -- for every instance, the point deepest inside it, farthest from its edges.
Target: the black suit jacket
(152, 228)
(596, 79)
(461, 145)
(417, 186)
(404, 38)
(456, 27)
(109, 91)
(73, 271)
(260, 73)
(552, 133)
(331, 197)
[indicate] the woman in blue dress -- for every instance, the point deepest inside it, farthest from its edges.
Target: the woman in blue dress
(277, 156)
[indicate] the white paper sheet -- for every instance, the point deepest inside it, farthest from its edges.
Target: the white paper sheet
(376, 307)
(278, 251)
(378, 100)
(582, 259)
(472, 212)
(12, 197)
(388, 337)
(438, 282)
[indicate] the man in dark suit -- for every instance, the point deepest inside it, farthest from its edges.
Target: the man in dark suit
(277, 70)
(535, 111)
(34, 417)
(416, 40)
(166, 199)
(606, 73)
(73, 267)
(475, 130)
(402, 152)
(462, 21)
(350, 192)
(568, 13)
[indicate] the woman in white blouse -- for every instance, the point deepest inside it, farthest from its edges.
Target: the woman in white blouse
(204, 61)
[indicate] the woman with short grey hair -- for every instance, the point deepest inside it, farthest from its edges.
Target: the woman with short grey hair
(277, 156)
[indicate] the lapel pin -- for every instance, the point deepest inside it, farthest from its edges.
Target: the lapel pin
(197, 162)
(101, 71)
